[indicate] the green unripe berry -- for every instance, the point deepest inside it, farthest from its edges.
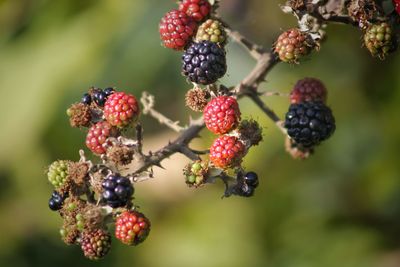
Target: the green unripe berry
(58, 173)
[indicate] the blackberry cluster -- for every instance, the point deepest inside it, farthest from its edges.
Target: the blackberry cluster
(247, 184)
(56, 201)
(204, 62)
(309, 123)
(118, 190)
(99, 96)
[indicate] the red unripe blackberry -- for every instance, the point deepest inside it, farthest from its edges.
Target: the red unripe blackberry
(132, 227)
(176, 29)
(227, 151)
(308, 90)
(97, 136)
(121, 109)
(292, 45)
(222, 114)
(196, 9)
(96, 243)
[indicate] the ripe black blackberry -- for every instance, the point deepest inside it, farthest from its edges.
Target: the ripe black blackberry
(309, 123)
(204, 62)
(56, 201)
(118, 190)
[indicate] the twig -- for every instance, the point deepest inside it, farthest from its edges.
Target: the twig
(148, 108)
(139, 137)
(176, 146)
(268, 111)
(276, 93)
(254, 50)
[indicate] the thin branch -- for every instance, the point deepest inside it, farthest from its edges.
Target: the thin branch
(139, 137)
(148, 108)
(268, 111)
(189, 153)
(276, 93)
(254, 50)
(200, 152)
(176, 146)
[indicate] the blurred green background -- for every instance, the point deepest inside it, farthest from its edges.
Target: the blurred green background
(339, 208)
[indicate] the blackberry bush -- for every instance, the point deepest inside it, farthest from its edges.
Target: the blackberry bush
(92, 194)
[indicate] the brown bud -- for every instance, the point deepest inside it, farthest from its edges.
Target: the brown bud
(196, 99)
(250, 132)
(77, 172)
(79, 115)
(363, 11)
(120, 155)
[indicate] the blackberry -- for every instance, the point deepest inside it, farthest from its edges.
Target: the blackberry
(309, 123)
(96, 243)
(109, 91)
(56, 201)
(251, 179)
(204, 62)
(58, 173)
(380, 40)
(118, 190)
(99, 97)
(86, 99)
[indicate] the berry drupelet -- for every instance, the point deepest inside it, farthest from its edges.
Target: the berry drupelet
(204, 62)
(86, 99)
(109, 91)
(99, 97)
(118, 190)
(56, 201)
(251, 179)
(309, 123)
